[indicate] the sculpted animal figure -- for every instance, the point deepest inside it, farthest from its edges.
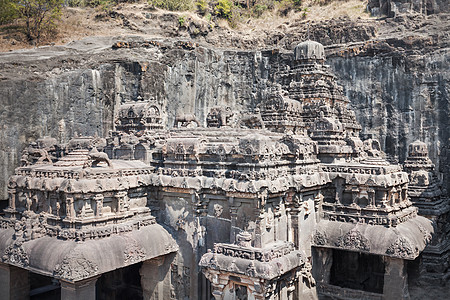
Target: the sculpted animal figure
(96, 157)
(251, 120)
(36, 155)
(183, 120)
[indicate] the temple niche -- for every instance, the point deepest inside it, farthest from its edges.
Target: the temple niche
(284, 201)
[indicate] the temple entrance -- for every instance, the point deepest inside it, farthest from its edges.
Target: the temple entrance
(357, 271)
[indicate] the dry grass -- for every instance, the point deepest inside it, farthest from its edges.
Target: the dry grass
(353, 9)
(77, 23)
(316, 10)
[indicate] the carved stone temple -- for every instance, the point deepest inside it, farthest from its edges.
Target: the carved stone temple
(281, 202)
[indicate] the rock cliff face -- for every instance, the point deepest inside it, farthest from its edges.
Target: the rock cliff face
(394, 7)
(396, 75)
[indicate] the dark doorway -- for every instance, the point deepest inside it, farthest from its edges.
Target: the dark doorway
(44, 287)
(240, 291)
(124, 283)
(357, 271)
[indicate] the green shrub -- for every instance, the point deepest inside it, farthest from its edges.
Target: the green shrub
(285, 6)
(305, 12)
(39, 16)
(259, 9)
(7, 12)
(182, 20)
(202, 6)
(172, 5)
(223, 9)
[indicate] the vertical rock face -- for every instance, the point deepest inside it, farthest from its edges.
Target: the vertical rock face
(76, 102)
(400, 99)
(397, 98)
(392, 8)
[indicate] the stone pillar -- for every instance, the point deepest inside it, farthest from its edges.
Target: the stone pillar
(70, 209)
(12, 198)
(14, 283)
(84, 289)
(98, 205)
(155, 278)
(395, 279)
(322, 260)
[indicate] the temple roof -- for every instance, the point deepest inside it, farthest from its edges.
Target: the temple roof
(404, 241)
(74, 261)
(309, 50)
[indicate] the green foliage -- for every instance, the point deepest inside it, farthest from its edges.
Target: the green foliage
(182, 20)
(172, 5)
(259, 9)
(7, 12)
(305, 12)
(39, 15)
(223, 9)
(202, 6)
(285, 6)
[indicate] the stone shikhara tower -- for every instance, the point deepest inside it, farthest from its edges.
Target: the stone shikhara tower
(283, 202)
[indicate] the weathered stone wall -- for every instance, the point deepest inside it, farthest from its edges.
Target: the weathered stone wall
(33, 109)
(397, 98)
(392, 8)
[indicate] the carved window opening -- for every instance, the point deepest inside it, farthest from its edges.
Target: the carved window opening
(357, 271)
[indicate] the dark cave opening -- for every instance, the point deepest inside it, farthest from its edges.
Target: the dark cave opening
(357, 271)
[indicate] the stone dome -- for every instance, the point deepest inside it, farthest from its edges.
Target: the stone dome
(309, 50)
(417, 148)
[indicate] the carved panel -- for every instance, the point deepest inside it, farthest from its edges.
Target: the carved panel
(16, 255)
(75, 267)
(134, 253)
(320, 239)
(353, 240)
(401, 248)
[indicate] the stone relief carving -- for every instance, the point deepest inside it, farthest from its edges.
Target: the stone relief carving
(401, 248)
(75, 267)
(220, 116)
(426, 234)
(218, 210)
(320, 239)
(134, 253)
(16, 255)
(353, 240)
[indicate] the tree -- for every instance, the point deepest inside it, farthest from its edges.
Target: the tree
(7, 12)
(39, 15)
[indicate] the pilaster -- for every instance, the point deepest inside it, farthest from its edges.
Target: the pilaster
(84, 289)
(14, 283)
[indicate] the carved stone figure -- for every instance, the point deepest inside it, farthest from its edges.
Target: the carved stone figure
(96, 158)
(186, 120)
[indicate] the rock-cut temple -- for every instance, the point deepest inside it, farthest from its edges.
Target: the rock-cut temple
(284, 201)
